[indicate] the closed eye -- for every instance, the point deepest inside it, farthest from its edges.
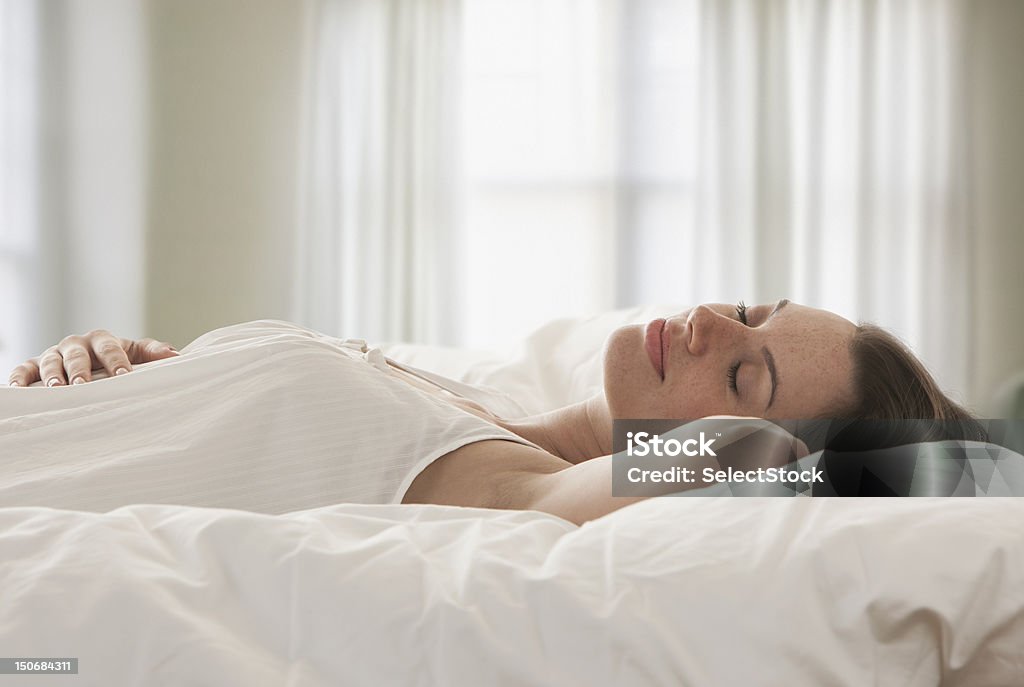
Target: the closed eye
(741, 312)
(731, 376)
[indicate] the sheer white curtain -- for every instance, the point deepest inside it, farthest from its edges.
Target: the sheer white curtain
(685, 151)
(379, 170)
(834, 155)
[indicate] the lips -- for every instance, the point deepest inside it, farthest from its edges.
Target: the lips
(655, 345)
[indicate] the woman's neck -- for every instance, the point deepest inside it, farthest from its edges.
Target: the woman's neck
(574, 433)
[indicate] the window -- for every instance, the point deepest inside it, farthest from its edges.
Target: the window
(569, 188)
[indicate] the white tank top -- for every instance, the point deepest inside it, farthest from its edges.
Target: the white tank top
(264, 416)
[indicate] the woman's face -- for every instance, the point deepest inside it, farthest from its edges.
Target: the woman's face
(786, 361)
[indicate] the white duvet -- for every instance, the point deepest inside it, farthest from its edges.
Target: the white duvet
(705, 591)
(667, 592)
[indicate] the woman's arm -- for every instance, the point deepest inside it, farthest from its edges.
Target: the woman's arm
(510, 476)
(77, 356)
(486, 474)
(503, 474)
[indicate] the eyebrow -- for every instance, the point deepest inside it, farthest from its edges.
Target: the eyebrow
(769, 360)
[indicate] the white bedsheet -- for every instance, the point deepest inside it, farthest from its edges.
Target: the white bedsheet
(667, 592)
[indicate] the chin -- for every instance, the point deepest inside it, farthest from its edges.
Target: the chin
(625, 373)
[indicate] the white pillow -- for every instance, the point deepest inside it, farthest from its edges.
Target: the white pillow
(556, 365)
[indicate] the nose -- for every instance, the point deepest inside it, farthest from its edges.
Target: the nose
(709, 330)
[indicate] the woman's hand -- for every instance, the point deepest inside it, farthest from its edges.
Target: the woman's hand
(77, 356)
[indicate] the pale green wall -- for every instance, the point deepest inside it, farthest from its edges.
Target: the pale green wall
(224, 108)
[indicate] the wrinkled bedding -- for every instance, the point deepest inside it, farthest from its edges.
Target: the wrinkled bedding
(704, 591)
(667, 592)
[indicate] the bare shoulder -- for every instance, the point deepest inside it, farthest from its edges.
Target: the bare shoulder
(486, 474)
(506, 474)
(509, 475)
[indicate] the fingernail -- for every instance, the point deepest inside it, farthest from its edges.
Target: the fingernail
(120, 371)
(78, 380)
(53, 382)
(15, 384)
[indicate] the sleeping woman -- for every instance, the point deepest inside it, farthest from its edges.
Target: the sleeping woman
(271, 417)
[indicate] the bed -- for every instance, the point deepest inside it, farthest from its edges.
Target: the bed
(671, 591)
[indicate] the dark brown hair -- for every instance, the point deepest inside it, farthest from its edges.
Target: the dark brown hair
(890, 383)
